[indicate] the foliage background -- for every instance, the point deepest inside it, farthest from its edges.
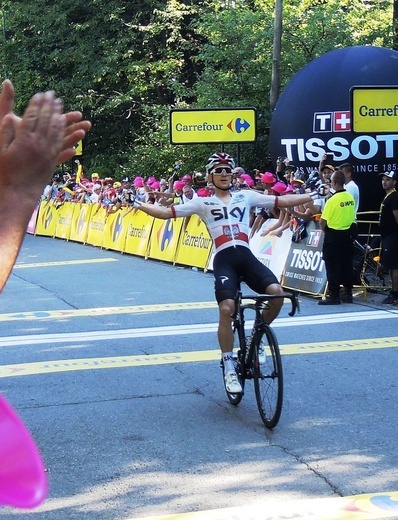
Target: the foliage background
(125, 64)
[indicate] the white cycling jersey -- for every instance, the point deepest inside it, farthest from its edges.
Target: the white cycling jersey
(228, 225)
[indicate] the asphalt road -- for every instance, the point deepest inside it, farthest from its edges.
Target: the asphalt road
(111, 361)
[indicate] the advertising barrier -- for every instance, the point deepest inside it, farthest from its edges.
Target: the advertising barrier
(298, 265)
(304, 268)
(138, 233)
(164, 239)
(195, 244)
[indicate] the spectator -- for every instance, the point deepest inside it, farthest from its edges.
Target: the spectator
(336, 221)
(51, 189)
(245, 182)
(325, 173)
(60, 197)
(187, 180)
(350, 185)
(389, 232)
(95, 178)
(325, 170)
(188, 193)
(95, 194)
(267, 181)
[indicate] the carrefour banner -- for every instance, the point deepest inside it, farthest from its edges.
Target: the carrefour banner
(64, 220)
(195, 244)
(115, 231)
(212, 126)
(96, 226)
(164, 239)
(304, 269)
(138, 232)
(272, 251)
(47, 219)
(80, 222)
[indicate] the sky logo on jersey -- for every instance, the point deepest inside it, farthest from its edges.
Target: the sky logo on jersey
(165, 234)
(116, 228)
(238, 125)
(339, 121)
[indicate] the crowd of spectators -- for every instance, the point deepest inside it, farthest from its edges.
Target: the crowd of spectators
(179, 187)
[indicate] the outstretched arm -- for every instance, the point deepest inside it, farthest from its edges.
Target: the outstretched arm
(29, 150)
(155, 211)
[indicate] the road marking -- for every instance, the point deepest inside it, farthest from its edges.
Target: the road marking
(69, 365)
(163, 307)
(358, 507)
(105, 311)
(65, 262)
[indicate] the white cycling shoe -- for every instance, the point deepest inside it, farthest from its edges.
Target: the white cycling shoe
(232, 384)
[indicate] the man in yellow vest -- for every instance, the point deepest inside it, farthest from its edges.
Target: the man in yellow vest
(337, 220)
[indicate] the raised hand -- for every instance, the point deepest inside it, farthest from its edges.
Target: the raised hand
(75, 127)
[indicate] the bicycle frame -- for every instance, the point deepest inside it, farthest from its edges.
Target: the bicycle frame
(258, 357)
(259, 304)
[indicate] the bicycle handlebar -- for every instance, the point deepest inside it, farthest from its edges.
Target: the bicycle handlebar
(262, 298)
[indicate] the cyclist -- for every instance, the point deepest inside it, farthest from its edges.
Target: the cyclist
(227, 215)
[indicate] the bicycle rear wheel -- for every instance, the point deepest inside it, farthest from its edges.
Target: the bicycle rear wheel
(373, 275)
(268, 376)
(239, 346)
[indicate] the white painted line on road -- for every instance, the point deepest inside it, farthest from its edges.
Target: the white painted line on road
(177, 330)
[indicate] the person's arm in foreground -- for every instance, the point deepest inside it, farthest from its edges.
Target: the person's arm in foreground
(75, 128)
(30, 149)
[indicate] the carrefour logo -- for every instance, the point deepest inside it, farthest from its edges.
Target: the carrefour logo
(238, 125)
(165, 235)
(116, 228)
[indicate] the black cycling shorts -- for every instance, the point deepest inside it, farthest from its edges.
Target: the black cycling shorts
(389, 252)
(234, 264)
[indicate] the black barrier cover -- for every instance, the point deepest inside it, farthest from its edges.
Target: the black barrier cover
(312, 116)
(304, 268)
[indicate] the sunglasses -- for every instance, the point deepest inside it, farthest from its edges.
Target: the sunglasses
(222, 169)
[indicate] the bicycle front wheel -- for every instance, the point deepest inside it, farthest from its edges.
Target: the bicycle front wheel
(268, 376)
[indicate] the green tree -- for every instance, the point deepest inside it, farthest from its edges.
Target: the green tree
(125, 64)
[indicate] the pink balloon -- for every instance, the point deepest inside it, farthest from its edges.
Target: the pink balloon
(23, 481)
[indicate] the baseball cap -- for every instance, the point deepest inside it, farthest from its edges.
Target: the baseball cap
(329, 167)
(391, 175)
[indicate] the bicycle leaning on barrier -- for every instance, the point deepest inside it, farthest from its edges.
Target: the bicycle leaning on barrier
(368, 270)
(258, 356)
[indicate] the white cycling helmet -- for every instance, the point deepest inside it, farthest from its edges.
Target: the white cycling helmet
(219, 158)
